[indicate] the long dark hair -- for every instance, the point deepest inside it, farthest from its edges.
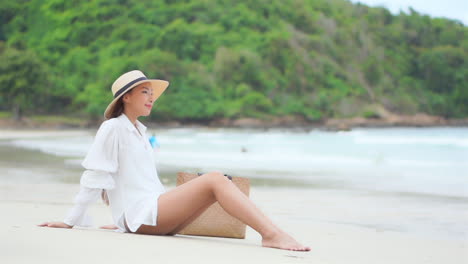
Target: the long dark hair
(119, 106)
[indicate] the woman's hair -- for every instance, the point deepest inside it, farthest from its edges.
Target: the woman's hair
(118, 108)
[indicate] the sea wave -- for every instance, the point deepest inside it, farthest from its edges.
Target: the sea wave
(387, 159)
(457, 137)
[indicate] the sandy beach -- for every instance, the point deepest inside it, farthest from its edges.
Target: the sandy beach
(342, 222)
(23, 206)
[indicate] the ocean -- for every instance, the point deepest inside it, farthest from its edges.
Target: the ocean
(392, 179)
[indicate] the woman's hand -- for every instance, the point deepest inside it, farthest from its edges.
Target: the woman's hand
(110, 227)
(55, 225)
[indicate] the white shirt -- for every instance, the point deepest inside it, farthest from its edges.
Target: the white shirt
(122, 162)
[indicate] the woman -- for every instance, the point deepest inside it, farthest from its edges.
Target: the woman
(121, 162)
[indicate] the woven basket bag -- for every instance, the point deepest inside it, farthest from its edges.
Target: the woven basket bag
(215, 221)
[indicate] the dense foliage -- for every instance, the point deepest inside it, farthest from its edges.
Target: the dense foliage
(227, 58)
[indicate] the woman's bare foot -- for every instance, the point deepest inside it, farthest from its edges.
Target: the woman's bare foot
(282, 240)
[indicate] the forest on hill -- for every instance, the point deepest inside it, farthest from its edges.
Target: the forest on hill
(316, 59)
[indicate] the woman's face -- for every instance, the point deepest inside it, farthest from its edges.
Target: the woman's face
(139, 100)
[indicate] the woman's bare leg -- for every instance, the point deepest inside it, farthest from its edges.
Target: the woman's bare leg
(190, 220)
(179, 206)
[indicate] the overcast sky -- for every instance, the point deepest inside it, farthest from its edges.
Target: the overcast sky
(454, 9)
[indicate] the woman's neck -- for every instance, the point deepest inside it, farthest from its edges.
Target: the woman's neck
(133, 118)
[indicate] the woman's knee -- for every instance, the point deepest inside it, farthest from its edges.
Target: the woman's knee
(213, 174)
(216, 177)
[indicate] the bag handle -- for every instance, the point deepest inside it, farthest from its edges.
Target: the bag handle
(228, 176)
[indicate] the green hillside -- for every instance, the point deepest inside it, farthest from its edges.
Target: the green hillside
(256, 58)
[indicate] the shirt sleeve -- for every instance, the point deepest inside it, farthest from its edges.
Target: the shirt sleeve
(77, 215)
(101, 162)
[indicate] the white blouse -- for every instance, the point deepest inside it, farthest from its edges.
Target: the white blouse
(121, 160)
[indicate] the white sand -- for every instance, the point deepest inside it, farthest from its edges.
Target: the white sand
(25, 205)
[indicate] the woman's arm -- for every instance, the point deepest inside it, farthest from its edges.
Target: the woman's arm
(100, 163)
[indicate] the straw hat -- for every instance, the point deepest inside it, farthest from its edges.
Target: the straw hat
(129, 80)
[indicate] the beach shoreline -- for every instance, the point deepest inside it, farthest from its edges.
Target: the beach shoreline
(342, 222)
(285, 122)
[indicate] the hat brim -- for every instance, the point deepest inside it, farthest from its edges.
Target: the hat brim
(159, 86)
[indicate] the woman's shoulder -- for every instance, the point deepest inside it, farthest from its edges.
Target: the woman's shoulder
(111, 122)
(109, 125)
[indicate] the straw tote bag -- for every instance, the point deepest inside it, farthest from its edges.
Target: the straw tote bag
(215, 221)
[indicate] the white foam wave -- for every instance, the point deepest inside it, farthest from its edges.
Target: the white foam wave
(68, 147)
(384, 140)
(457, 137)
